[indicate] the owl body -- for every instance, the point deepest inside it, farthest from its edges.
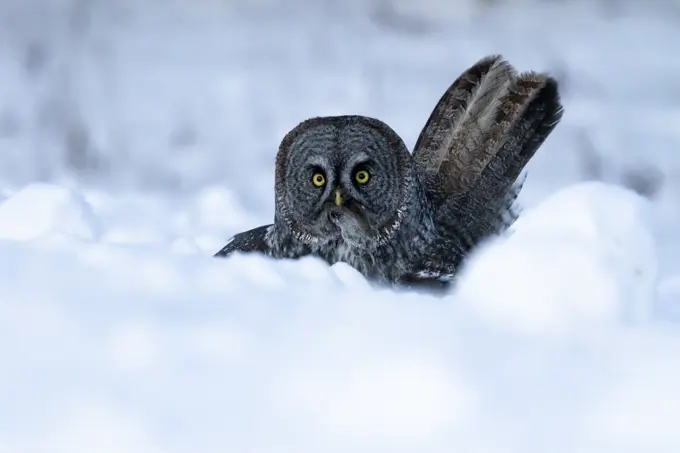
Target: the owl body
(348, 190)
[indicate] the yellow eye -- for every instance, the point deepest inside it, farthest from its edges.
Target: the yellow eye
(318, 179)
(362, 176)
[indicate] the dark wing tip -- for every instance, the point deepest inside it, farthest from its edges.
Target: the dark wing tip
(246, 242)
(547, 95)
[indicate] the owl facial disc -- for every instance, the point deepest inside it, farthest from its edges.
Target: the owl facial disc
(342, 178)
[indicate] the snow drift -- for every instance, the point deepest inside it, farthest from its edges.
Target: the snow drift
(547, 342)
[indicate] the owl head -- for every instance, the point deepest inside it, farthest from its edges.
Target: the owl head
(343, 178)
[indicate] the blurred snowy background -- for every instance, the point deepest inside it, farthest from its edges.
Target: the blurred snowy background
(136, 136)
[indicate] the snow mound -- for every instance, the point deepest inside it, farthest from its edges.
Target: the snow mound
(584, 254)
(218, 208)
(171, 351)
(41, 209)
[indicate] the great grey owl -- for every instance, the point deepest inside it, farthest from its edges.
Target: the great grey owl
(347, 189)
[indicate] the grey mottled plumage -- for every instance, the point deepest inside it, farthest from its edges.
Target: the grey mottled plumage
(383, 227)
(402, 218)
(483, 131)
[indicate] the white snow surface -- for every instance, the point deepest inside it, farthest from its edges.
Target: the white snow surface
(120, 333)
(137, 346)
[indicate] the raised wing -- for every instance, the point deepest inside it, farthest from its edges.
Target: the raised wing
(526, 114)
(453, 146)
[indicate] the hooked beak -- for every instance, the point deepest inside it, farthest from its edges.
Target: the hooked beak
(338, 197)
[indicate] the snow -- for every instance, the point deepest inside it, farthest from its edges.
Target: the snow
(52, 209)
(585, 253)
(119, 332)
(128, 348)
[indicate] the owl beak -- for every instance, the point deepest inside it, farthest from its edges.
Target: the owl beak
(338, 197)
